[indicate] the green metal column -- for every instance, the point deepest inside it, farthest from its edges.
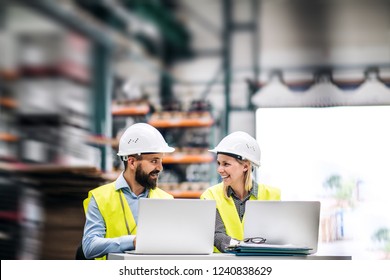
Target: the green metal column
(255, 48)
(255, 59)
(102, 89)
(166, 84)
(226, 53)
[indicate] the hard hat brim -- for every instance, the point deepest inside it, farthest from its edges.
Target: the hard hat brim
(216, 151)
(165, 150)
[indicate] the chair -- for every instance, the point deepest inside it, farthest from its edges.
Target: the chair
(80, 253)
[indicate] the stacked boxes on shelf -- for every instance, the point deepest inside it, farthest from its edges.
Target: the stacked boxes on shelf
(46, 94)
(8, 136)
(54, 101)
(46, 97)
(21, 218)
(187, 170)
(41, 213)
(64, 191)
(126, 113)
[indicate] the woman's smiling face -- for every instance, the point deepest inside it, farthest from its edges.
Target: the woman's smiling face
(232, 172)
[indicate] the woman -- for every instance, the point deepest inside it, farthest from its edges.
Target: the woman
(237, 155)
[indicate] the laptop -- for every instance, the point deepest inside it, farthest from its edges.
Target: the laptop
(175, 227)
(284, 222)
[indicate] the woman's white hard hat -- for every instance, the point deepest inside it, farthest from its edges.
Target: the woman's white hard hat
(239, 144)
(142, 138)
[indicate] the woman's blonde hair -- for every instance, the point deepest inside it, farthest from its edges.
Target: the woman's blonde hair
(247, 177)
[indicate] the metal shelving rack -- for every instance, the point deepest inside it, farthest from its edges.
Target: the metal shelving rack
(187, 155)
(52, 183)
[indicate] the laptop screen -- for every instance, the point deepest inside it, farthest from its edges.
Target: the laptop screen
(283, 222)
(175, 226)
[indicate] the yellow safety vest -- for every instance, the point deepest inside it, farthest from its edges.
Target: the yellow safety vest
(109, 204)
(233, 225)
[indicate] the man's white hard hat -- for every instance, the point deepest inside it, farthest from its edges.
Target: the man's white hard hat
(142, 138)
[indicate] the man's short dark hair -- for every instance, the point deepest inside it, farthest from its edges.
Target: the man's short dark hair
(137, 157)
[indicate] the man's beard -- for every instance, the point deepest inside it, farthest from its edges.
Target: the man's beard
(144, 179)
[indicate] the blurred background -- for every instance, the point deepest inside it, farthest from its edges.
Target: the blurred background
(309, 79)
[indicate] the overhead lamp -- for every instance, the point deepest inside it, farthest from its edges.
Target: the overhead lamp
(372, 91)
(276, 94)
(325, 93)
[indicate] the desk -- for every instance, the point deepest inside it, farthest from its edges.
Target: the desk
(123, 256)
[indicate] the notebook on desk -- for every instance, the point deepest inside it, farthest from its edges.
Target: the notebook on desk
(294, 223)
(175, 227)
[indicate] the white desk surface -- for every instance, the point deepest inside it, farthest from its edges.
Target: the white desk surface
(124, 256)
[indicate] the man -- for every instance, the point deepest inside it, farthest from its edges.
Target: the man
(112, 210)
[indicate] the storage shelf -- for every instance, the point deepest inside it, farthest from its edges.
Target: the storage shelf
(112, 175)
(13, 216)
(7, 137)
(49, 168)
(183, 158)
(9, 75)
(66, 70)
(184, 187)
(173, 119)
(101, 140)
(175, 189)
(8, 102)
(191, 158)
(181, 123)
(75, 71)
(186, 194)
(129, 110)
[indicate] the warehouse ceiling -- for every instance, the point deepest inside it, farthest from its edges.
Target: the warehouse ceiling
(199, 43)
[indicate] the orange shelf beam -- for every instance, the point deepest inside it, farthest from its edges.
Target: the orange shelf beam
(181, 123)
(187, 159)
(8, 137)
(130, 110)
(101, 140)
(186, 194)
(8, 102)
(9, 75)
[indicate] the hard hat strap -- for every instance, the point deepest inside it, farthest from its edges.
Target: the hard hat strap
(124, 158)
(137, 156)
(232, 155)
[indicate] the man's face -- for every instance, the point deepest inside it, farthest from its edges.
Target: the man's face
(148, 169)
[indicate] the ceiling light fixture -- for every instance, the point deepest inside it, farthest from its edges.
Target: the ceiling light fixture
(276, 94)
(372, 92)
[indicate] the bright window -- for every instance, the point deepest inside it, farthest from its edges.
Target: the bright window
(340, 156)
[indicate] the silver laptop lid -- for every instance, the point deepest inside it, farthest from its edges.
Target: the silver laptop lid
(283, 222)
(175, 226)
